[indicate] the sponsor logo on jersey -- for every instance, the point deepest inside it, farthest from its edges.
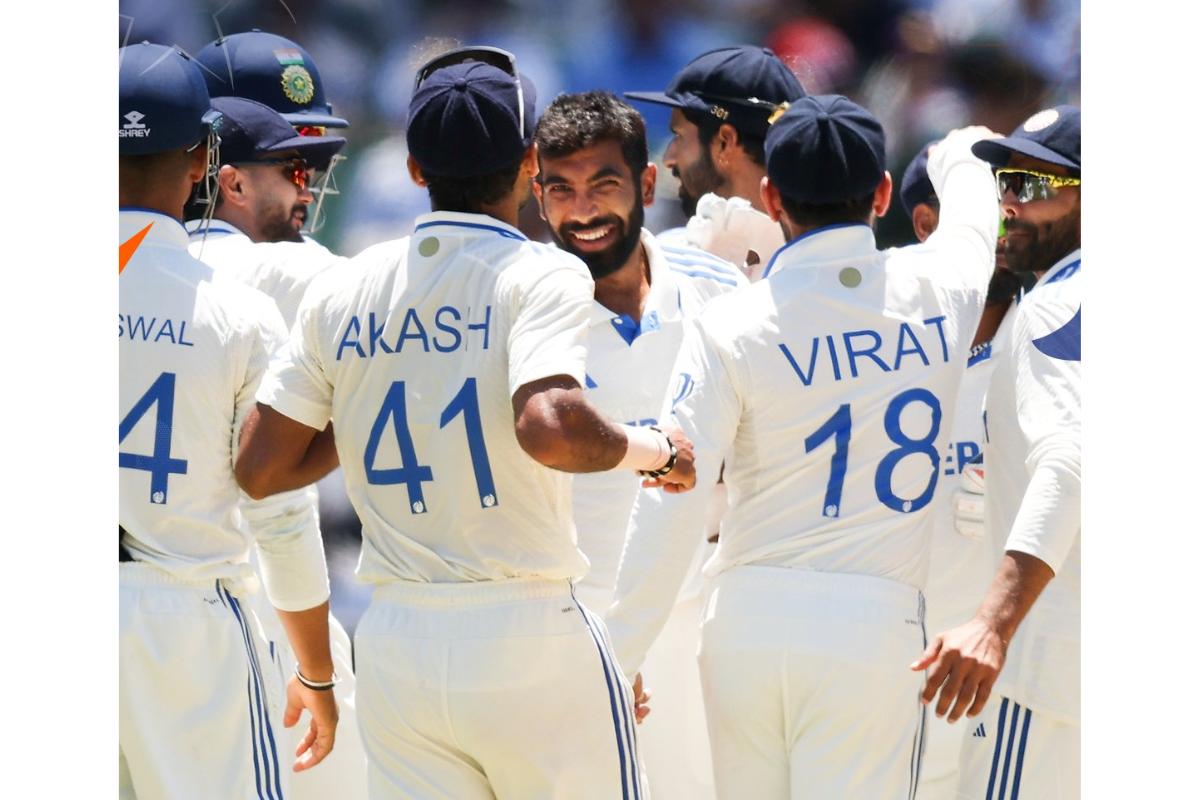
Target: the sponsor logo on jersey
(980, 732)
(134, 127)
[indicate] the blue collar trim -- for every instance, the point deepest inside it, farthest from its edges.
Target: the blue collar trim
(807, 234)
(503, 232)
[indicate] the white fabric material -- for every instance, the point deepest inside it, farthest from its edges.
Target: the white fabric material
(805, 684)
(1032, 502)
(280, 270)
(1013, 752)
(792, 359)
(425, 339)
(628, 382)
(731, 228)
(496, 689)
(192, 353)
(200, 697)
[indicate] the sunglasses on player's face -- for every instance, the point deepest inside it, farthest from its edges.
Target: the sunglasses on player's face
(1028, 185)
(297, 170)
(502, 60)
(310, 130)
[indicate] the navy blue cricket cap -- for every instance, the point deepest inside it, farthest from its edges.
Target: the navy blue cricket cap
(273, 70)
(740, 85)
(1051, 135)
(464, 120)
(251, 131)
(163, 102)
(826, 149)
(915, 186)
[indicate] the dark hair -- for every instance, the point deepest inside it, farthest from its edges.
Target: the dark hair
(469, 194)
(575, 121)
(754, 146)
(814, 215)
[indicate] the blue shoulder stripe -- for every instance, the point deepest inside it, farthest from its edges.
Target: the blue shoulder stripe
(691, 257)
(707, 275)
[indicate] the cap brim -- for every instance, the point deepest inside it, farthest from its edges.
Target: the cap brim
(997, 152)
(316, 118)
(655, 97)
(316, 150)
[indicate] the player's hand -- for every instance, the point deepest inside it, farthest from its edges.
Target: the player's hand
(964, 663)
(322, 706)
(968, 503)
(955, 148)
(727, 227)
(641, 699)
(682, 476)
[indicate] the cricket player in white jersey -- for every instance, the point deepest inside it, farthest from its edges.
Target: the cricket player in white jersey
(263, 179)
(593, 184)
(825, 388)
(452, 365)
(1025, 743)
(198, 692)
(722, 104)
(960, 564)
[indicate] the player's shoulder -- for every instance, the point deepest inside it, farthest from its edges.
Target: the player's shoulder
(534, 261)
(690, 264)
(237, 308)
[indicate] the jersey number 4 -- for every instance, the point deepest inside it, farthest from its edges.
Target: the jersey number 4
(411, 472)
(837, 427)
(159, 464)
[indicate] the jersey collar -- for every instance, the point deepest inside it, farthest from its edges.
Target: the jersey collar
(196, 228)
(455, 223)
(662, 302)
(827, 243)
(151, 227)
(1064, 268)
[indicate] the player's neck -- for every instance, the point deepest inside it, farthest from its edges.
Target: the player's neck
(163, 202)
(746, 183)
(624, 290)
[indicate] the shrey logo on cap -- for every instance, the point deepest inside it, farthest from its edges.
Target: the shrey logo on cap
(297, 84)
(1041, 120)
(134, 126)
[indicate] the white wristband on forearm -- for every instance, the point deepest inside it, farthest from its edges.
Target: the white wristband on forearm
(646, 449)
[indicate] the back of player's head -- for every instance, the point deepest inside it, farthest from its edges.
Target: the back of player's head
(826, 156)
(163, 103)
(273, 70)
(575, 121)
(915, 186)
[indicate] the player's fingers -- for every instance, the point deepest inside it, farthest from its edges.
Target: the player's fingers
(941, 669)
(966, 695)
(641, 712)
(981, 696)
(309, 737)
(927, 657)
(954, 682)
(292, 713)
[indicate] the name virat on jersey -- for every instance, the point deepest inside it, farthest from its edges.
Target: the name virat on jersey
(845, 355)
(452, 329)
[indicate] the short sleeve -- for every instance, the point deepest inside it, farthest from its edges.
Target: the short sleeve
(550, 324)
(295, 384)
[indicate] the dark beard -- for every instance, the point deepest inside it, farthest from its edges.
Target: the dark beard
(1043, 246)
(704, 177)
(1003, 286)
(607, 261)
(281, 230)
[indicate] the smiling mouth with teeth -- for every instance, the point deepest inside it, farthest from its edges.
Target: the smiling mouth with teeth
(593, 234)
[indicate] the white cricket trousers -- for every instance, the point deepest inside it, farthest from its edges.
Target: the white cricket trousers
(198, 692)
(1011, 752)
(807, 687)
(495, 689)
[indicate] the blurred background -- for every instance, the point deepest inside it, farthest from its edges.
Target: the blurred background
(922, 67)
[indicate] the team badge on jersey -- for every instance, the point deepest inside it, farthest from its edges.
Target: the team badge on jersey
(297, 84)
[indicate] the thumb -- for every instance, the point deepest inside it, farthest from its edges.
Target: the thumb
(292, 713)
(928, 656)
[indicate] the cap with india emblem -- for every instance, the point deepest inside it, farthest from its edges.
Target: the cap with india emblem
(271, 70)
(1050, 135)
(163, 103)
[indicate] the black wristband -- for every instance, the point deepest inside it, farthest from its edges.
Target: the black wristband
(316, 686)
(667, 467)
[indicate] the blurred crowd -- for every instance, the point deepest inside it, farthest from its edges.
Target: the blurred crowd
(921, 66)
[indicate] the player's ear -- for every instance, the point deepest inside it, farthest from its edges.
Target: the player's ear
(648, 181)
(925, 220)
(197, 161)
(529, 162)
(414, 172)
(538, 195)
(883, 195)
(723, 145)
(232, 185)
(771, 200)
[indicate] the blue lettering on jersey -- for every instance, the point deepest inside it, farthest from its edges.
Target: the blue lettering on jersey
(959, 454)
(451, 334)
(861, 347)
(588, 382)
(153, 330)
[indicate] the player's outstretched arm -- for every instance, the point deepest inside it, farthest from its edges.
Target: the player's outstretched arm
(308, 633)
(964, 662)
(557, 426)
(278, 453)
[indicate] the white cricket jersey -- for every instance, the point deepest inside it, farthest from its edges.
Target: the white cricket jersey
(827, 389)
(960, 569)
(729, 228)
(414, 348)
(280, 270)
(628, 372)
(1032, 496)
(192, 353)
